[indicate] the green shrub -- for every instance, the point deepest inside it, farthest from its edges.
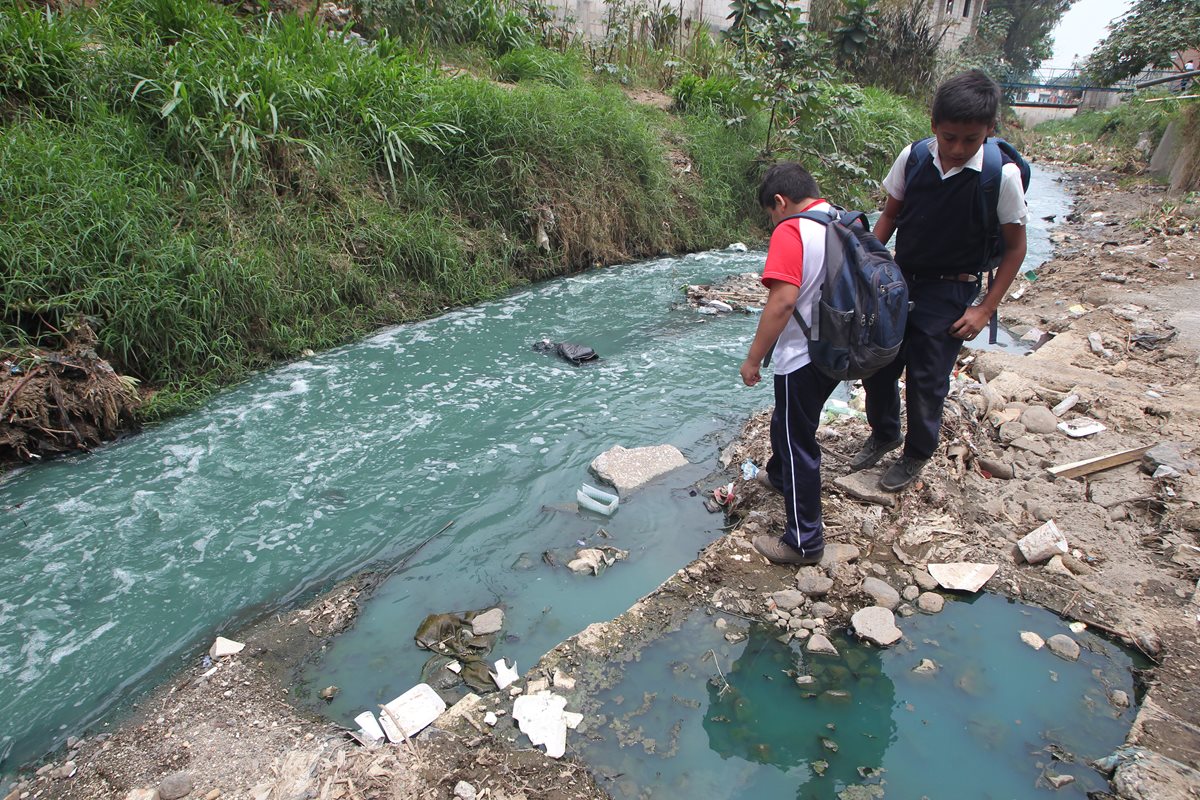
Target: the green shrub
(720, 93)
(538, 63)
(39, 53)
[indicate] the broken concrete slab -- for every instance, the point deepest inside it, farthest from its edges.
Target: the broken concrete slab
(962, 576)
(629, 469)
(1170, 454)
(1042, 543)
(876, 624)
(411, 712)
(865, 486)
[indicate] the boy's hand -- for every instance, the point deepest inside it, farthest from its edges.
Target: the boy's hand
(973, 320)
(750, 372)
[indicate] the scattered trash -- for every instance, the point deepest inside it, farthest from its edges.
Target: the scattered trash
(369, 727)
(1080, 427)
(454, 667)
(544, 719)
(1066, 405)
(723, 495)
(749, 470)
(490, 719)
(222, 647)
(720, 305)
(1097, 345)
(411, 712)
(1043, 543)
(328, 693)
(737, 247)
(504, 674)
(962, 576)
(1153, 341)
(597, 500)
(596, 559)
(574, 353)
(1078, 627)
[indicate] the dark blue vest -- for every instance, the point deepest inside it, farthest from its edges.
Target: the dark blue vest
(941, 229)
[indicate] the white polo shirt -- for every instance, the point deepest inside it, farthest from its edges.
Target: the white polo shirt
(1010, 208)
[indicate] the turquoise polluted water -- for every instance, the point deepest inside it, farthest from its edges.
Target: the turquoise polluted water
(118, 567)
(693, 715)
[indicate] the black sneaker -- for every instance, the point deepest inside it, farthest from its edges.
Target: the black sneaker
(872, 451)
(901, 473)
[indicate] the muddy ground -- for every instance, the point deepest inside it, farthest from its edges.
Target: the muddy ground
(1123, 270)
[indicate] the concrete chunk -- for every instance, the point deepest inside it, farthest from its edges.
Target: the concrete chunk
(876, 624)
(628, 469)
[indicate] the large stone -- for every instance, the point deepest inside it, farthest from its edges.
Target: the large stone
(1153, 776)
(490, 621)
(1039, 419)
(627, 469)
(822, 610)
(865, 486)
(876, 624)
(924, 580)
(175, 786)
(222, 647)
(1011, 431)
(788, 599)
(1170, 454)
(910, 593)
(931, 602)
(883, 594)
(814, 585)
(1042, 543)
(1063, 646)
(1111, 493)
(838, 553)
(962, 576)
(819, 644)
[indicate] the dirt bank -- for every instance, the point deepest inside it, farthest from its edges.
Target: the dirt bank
(1131, 570)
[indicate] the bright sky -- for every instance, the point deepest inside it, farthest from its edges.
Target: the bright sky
(1082, 28)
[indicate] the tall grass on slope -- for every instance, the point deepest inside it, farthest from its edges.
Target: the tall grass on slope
(215, 193)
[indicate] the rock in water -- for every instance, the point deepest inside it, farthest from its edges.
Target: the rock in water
(1033, 640)
(1063, 646)
(883, 594)
(926, 667)
(490, 621)
(876, 624)
(627, 469)
(931, 602)
(820, 644)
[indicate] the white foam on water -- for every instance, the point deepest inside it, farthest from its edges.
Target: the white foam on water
(69, 647)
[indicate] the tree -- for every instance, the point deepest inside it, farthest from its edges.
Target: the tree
(1026, 27)
(1148, 35)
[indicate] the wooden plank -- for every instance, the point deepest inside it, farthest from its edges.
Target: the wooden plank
(1089, 465)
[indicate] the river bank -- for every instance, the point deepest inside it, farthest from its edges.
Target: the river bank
(1134, 575)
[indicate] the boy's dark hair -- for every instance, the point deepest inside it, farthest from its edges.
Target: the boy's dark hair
(788, 179)
(970, 96)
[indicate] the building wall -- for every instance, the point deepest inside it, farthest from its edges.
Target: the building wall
(960, 16)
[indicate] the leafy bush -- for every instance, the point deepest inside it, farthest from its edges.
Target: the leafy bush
(538, 63)
(723, 94)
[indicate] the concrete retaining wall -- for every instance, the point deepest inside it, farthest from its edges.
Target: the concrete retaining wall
(1033, 115)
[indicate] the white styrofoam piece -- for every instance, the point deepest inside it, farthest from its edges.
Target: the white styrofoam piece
(411, 712)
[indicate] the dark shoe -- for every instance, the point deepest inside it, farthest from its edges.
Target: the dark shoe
(901, 473)
(872, 451)
(777, 551)
(762, 479)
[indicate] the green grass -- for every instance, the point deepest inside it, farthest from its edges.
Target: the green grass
(215, 193)
(1120, 127)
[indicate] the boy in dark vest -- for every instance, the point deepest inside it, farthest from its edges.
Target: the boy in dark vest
(946, 239)
(793, 275)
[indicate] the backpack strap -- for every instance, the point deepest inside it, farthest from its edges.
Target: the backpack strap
(918, 157)
(989, 199)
